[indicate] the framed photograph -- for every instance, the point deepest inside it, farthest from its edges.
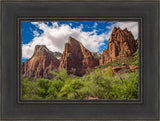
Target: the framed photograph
(80, 60)
(79, 63)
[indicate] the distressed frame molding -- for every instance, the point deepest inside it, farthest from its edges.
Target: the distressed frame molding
(19, 50)
(148, 110)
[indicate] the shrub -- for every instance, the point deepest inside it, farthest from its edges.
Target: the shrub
(29, 90)
(126, 88)
(71, 88)
(62, 75)
(100, 83)
(135, 58)
(43, 86)
(54, 89)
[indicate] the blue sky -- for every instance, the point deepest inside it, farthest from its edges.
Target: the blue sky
(93, 35)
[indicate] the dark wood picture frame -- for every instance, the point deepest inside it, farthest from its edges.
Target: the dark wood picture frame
(77, 19)
(145, 108)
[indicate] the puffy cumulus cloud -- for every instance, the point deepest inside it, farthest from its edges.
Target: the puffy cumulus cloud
(131, 26)
(55, 37)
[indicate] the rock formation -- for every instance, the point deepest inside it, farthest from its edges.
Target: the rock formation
(57, 55)
(40, 64)
(76, 58)
(121, 43)
(96, 55)
(124, 69)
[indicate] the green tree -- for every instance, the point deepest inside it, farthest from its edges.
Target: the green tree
(101, 82)
(29, 90)
(135, 62)
(71, 89)
(126, 89)
(43, 86)
(54, 89)
(98, 84)
(62, 75)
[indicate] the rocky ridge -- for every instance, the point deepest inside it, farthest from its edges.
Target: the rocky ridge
(57, 55)
(121, 43)
(76, 59)
(40, 64)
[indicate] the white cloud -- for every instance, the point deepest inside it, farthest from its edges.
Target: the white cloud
(55, 37)
(36, 33)
(35, 23)
(131, 26)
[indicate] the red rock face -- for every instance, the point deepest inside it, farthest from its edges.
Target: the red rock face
(76, 58)
(40, 64)
(124, 69)
(121, 43)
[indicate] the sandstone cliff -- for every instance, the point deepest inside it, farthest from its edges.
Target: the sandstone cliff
(76, 58)
(121, 43)
(40, 64)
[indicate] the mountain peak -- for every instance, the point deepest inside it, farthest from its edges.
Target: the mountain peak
(121, 43)
(41, 63)
(41, 47)
(125, 29)
(70, 37)
(76, 59)
(40, 50)
(119, 28)
(71, 40)
(116, 29)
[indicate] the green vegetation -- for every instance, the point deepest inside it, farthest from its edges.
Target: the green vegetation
(135, 62)
(99, 82)
(117, 62)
